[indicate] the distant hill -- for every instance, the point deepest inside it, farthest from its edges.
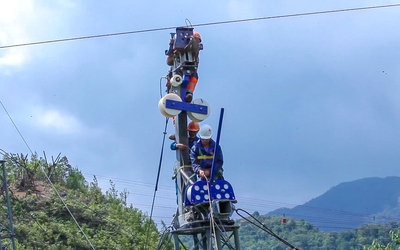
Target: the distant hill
(350, 205)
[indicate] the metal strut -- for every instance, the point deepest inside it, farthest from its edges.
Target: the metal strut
(10, 231)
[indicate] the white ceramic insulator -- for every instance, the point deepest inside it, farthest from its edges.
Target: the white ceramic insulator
(196, 116)
(176, 80)
(189, 192)
(168, 112)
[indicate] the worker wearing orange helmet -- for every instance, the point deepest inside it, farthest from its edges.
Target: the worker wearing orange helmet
(170, 51)
(193, 128)
(193, 47)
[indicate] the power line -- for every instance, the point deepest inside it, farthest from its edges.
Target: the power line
(141, 186)
(202, 24)
(86, 37)
(15, 126)
(197, 25)
(51, 183)
(253, 201)
(299, 14)
(311, 212)
(247, 200)
(325, 216)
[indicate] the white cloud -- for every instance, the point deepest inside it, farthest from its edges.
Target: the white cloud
(11, 11)
(13, 16)
(56, 121)
(25, 21)
(67, 3)
(242, 9)
(12, 58)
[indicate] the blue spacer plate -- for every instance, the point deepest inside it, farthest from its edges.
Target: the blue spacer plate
(195, 108)
(183, 35)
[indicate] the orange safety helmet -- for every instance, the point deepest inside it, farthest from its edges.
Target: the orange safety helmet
(197, 34)
(193, 126)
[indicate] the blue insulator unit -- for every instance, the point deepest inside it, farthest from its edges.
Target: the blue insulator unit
(219, 190)
(184, 83)
(183, 35)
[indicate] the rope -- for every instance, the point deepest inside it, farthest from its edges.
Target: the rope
(163, 77)
(51, 183)
(182, 167)
(164, 239)
(213, 224)
(188, 23)
(226, 238)
(156, 186)
(15, 126)
(264, 228)
(212, 221)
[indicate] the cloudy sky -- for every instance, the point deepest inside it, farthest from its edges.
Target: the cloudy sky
(310, 101)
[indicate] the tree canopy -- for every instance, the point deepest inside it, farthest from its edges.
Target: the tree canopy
(44, 195)
(43, 221)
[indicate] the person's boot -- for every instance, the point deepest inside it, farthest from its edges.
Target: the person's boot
(189, 97)
(170, 60)
(172, 137)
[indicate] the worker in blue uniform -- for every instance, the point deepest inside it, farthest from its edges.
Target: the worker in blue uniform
(193, 129)
(202, 155)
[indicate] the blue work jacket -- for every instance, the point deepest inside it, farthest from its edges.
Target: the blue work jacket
(191, 143)
(202, 158)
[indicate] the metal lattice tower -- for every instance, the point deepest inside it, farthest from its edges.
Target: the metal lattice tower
(204, 207)
(7, 227)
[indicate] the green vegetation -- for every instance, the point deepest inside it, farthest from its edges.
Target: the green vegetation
(42, 221)
(394, 244)
(305, 236)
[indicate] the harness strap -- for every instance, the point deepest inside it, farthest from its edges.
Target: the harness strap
(203, 157)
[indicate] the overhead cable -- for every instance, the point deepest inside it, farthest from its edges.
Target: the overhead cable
(51, 183)
(201, 24)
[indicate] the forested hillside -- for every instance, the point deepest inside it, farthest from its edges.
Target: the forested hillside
(351, 204)
(42, 221)
(305, 236)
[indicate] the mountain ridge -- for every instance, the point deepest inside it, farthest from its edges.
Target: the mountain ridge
(351, 204)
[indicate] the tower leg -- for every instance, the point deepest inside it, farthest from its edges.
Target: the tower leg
(217, 235)
(176, 242)
(206, 240)
(236, 238)
(196, 242)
